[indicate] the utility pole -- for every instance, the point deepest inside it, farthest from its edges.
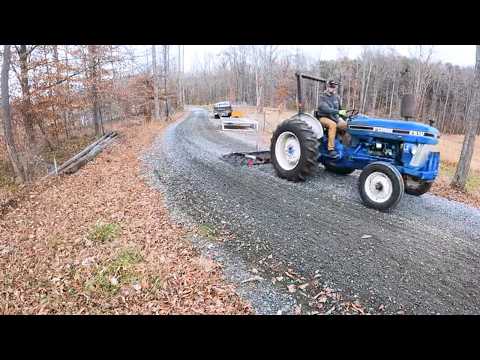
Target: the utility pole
(155, 84)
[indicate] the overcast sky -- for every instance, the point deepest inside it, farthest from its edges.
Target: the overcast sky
(463, 55)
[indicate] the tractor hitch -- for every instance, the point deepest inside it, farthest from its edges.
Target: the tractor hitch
(248, 158)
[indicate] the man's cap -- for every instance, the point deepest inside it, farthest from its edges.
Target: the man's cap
(332, 83)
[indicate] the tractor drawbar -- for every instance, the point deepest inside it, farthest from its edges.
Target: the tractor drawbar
(248, 158)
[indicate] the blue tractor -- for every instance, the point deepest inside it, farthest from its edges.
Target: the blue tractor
(395, 156)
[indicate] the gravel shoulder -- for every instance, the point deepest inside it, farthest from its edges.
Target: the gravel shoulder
(314, 245)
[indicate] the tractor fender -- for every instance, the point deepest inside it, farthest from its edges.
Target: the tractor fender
(312, 122)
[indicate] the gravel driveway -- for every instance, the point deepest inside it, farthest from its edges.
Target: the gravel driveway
(420, 258)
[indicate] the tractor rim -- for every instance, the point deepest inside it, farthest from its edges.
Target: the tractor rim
(378, 187)
(287, 150)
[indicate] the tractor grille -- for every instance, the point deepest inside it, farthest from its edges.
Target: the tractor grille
(423, 154)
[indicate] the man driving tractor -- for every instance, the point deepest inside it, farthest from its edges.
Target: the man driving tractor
(329, 115)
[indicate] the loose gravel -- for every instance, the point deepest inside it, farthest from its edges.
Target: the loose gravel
(420, 258)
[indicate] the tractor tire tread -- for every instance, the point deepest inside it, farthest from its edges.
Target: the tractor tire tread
(422, 188)
(307, 163)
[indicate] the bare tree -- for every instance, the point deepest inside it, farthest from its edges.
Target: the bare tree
(7, 117)
(94, 75)
(463, 167)
(155, 83)
(27, 111)
(165, 78)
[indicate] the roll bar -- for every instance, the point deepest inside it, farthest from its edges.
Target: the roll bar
(300, 76)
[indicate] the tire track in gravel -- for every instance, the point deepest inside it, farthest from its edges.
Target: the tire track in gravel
(421, 257)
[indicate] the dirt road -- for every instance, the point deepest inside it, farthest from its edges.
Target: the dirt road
(422, 257)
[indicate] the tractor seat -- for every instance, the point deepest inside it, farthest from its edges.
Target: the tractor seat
(316, 116)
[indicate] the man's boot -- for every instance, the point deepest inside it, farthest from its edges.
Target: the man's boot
(333, 154)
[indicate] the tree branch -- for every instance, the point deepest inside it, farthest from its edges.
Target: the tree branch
(33, 47)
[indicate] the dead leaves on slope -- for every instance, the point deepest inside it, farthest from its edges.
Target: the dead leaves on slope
(50, 264)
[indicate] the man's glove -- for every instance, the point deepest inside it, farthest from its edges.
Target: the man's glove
(343, 113)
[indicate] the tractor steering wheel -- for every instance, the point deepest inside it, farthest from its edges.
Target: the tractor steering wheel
(352, 112)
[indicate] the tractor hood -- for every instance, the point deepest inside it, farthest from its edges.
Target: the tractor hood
(407, 131)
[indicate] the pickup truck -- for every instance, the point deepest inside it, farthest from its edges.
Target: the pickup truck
(223, 108)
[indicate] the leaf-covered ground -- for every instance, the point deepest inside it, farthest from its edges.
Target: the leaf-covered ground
(100, 242)
(442, 187)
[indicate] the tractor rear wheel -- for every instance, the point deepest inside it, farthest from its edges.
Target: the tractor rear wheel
(338, 170)
(294, 150)
(417, 187)
(381, 186)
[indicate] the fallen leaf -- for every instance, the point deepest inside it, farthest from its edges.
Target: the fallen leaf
(255, 278)
(137, 287)
(330, 311)
(322, 299)
(290, 275)
(297, 309)
(303, 286)
(291, 288)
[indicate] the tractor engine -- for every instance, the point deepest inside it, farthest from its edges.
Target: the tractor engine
(382, 148)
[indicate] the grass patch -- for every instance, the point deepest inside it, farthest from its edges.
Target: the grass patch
(207, 231)
(156, 282)
(116, 273)
(473, 182)
(447, 169)
(103, 232)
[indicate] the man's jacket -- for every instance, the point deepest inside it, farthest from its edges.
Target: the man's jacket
(328, 106)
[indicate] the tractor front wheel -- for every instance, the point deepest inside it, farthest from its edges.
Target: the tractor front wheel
(417, 187)
(381, 186)
(294, 150)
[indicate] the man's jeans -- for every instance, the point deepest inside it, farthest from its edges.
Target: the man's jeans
(332, 127)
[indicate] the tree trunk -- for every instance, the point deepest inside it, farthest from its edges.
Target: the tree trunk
(51, 93)
(366, 88)
(7, 118)
(165, 69)
(26, 107)
(391, 98)
(375, 95)
(155, 83)
(92, 51)
(67, 87)
(463, 167)
(445, 108)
